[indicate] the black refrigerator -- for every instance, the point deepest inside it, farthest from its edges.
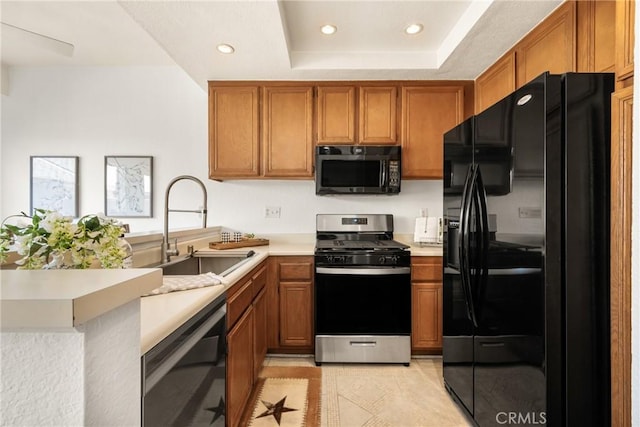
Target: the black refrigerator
(526, 256)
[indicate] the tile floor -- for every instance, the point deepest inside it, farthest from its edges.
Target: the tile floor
(356, 395)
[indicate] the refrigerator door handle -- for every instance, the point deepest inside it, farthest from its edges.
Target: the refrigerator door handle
(483, 240)
(465, 266)
(462, 241)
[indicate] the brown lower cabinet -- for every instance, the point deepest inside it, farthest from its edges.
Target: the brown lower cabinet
(239, 366)
(260, 328)
(426, 303)
(246, 339)
(290, 304)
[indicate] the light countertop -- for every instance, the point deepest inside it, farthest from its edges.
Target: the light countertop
(162, 314)
(47, 299)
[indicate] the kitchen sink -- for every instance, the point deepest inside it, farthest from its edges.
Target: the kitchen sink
(221, 264)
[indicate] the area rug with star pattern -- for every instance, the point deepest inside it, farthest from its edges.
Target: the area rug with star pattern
(285, 397)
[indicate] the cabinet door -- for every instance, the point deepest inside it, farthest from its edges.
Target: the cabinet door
(336, 115)
(287, 132)
(295, 314)
(596, 22)
(239, 367)
(549, 47)
(426, 304)
(238, 300)
(259, 331)
(427, 316)
(496, 82)
(377, 115)
(427, 113)
(625, 36)
(233, 132)
(621, 222)
(273, 304)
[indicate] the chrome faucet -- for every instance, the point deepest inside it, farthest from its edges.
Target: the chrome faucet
(167, 252)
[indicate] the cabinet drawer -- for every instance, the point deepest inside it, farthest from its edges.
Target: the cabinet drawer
(295, 271)
(238, 303)
(426, 269)
(259, 280)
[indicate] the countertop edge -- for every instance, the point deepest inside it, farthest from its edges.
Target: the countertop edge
(44, 312)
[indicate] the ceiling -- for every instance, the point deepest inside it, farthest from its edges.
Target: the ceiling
(273, 40)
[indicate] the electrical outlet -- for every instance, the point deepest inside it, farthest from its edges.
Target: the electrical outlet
(529, 212)
(424, 212)
(272, 212)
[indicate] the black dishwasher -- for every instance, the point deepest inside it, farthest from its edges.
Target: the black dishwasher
(183, 376)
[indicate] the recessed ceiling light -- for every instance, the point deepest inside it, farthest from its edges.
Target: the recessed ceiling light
(413, 29)
(225, 48)
(328, 29)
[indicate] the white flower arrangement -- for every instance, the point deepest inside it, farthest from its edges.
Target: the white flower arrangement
(50, 240)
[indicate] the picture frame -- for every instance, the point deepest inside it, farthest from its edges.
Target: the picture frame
(128, 190)
(53, 184)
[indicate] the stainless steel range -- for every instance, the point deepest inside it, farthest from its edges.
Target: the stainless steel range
(362, 300)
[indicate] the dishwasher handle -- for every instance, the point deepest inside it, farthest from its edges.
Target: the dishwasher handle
(175, 357)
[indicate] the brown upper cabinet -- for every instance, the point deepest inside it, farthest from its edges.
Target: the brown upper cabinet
(287, 136)
(356, 114)
(427, 113)
(577, 36)
(269, 129)
(625, 13)
(233, 132)
(549, 47)
(377, 115)
(596, 36)
(496, 82)
(336, 115)
(246, 144)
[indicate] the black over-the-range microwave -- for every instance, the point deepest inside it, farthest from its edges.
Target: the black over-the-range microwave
(358, 169)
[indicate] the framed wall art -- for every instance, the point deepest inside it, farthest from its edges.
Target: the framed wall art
(54, 184)
(128, 186)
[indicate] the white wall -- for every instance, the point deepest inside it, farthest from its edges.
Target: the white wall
(91, 112)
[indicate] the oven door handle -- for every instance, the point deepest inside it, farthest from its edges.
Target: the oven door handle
(378, 271)
(180, 352)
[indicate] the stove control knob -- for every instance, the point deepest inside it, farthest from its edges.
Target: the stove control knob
(382, 260)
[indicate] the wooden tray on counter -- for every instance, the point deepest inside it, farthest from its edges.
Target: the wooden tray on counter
(241, 244)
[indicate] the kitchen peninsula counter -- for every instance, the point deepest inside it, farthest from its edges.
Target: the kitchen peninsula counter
(65, 335)
(47, 299)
